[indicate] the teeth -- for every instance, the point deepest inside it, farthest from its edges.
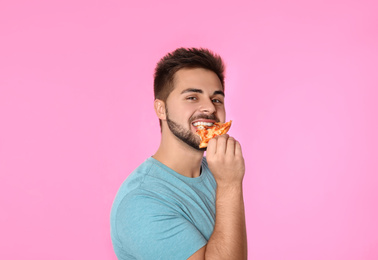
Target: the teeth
(203, 124)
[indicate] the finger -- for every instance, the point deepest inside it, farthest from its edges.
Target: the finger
(211, 147)
(230, 150)
(221, 144)
(238, 149)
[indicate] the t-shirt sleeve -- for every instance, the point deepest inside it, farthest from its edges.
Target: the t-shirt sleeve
(149, 228)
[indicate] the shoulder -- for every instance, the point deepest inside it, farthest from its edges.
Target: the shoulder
(146, 184)
(147, 173)
(135, 179)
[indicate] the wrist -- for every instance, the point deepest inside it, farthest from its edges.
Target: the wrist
(234, 185)
(229, 190)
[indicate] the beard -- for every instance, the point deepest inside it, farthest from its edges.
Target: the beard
(186, 135)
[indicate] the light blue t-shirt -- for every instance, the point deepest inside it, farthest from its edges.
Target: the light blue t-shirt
(161, 214)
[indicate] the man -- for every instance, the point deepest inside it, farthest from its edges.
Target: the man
(166, 208)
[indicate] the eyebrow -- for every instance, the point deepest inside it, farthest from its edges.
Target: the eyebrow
(218, 92)
(196, 90)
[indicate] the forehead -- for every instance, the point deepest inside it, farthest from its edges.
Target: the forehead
(198, 78)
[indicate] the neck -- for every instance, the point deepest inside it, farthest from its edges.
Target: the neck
(179, 156)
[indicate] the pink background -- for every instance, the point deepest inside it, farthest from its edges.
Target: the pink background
(76, 117)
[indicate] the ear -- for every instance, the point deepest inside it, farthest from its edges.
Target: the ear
(159, 106)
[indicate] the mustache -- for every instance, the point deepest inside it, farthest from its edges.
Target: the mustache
(204, 116)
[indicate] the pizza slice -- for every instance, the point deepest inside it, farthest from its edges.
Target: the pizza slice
(206, 132)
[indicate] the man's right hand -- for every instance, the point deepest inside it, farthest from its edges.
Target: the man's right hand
(225, 160)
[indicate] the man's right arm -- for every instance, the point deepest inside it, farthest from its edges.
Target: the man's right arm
(229, 239)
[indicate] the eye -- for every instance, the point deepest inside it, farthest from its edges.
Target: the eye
(191, 98)
(215, 100)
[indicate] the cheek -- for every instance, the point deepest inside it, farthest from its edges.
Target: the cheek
(189, 108)
(180, 112)
(221, 112)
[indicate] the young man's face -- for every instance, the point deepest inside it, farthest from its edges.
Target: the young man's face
(197, 98)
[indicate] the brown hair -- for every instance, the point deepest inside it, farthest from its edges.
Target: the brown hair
(184, 58)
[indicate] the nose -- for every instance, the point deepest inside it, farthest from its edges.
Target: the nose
(207, 107)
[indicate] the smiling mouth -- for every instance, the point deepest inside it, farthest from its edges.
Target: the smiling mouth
(208, 124)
